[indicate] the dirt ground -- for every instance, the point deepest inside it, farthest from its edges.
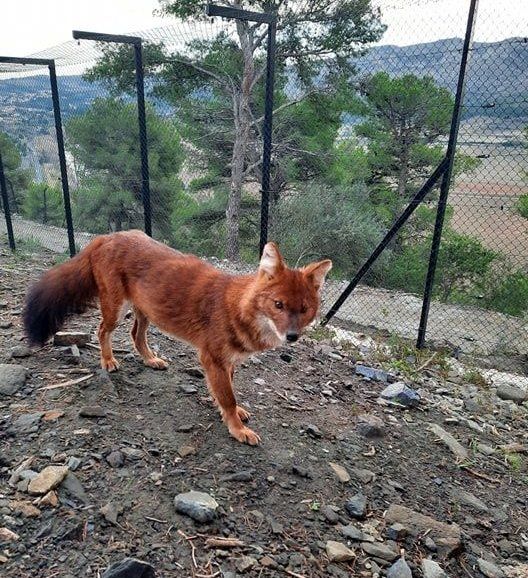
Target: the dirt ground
(156, 434)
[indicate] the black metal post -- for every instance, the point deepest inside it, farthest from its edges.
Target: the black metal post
(50, 63)
(271, 20)
(416, 200)
(62, 156)
(143, 143)
(137, 43)
(267, 135)
(5, 202)
(446, 180)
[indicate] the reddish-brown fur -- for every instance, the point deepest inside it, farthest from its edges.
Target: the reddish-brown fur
(226, 317)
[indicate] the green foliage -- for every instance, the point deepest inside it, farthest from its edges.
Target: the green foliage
(403, 118)
(98, 210)
(322, 221)
(17, 179)
(44, 204)
(507, 291)
(463, 266)
(105, 143)
(475, 377)
(522, 206)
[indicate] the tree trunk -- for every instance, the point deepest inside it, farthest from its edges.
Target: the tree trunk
(403, 176)
(242, 113)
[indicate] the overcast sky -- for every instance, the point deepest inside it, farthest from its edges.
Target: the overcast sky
(27, 26)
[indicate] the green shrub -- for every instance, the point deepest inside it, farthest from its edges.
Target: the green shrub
(522, 206)
(44, 204)
(320, 221)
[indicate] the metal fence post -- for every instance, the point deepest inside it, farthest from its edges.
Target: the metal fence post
(137, 43)
(5, 203)
(446, 179)
(62, 156)
(267, 136)
(143, 143)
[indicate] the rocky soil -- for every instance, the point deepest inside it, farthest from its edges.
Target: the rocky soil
(374, 461)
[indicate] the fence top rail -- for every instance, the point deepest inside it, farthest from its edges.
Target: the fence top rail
(102, 37)
(27, 61)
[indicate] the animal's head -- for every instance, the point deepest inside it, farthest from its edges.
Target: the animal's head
(287, 300)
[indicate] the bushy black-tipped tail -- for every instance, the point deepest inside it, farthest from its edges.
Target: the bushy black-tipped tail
(62, 291)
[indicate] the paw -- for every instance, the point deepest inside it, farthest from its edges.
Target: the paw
(110, 364)
(243, 414)
(156, 363)
(245, 435)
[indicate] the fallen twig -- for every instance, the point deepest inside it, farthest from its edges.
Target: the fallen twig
(219, 542)
(428, 362)
(67, 383)
(479, 475)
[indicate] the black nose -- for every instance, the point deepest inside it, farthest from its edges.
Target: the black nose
(292, 336)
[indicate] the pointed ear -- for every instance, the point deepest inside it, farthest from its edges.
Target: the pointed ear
(316, 272)
(271, 261)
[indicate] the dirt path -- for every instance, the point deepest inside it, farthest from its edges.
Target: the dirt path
(134, 440)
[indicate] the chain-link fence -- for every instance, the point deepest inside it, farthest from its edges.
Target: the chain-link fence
(363, 101)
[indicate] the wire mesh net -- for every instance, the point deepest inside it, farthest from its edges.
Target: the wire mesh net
(362, 108)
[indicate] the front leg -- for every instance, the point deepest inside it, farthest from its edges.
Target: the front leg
(219, 379)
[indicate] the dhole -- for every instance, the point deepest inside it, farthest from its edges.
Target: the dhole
(226, 317)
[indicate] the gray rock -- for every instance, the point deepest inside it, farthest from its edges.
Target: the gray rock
(133, 454)
(67, 338)
(302, 472)
(27, 423)
(468, 499)
(430, 544)
(245, 563)
(401, 393)
(509, 392)
(115, 459)
(110, 512)
(372, 373)
(489, 569)
(12, 378)
(396, 532)
(92, 411)
(355, 534)
(448, 537)
(370, 426)
(379, 551)
(484, 449)
(453, 444)
(313, 431)
(330, 514)
(72, 486)
(364, 476)
(20, 351)
(242, 476)
(338, 552)
(197, 505)
(400, 569)
(73, 463)
(432, 569)
(356, 506)
(187, 388)
(130, 568)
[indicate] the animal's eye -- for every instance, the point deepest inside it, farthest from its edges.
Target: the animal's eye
(304, 309)
(279, 304)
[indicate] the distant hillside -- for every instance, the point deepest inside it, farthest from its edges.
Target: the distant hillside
(497, 84)
(497, 79)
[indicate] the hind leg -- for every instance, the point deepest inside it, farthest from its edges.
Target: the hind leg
(139, 336)
(110, 309)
